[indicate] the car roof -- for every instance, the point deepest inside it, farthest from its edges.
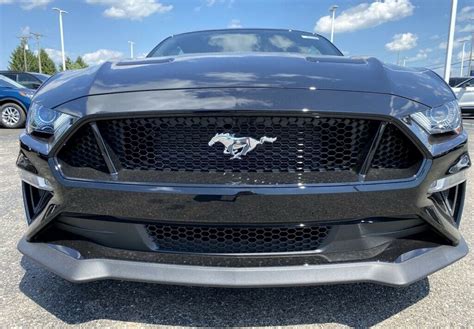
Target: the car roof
(247, 29)
(7, 71)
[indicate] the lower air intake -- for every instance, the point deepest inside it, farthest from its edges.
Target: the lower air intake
(228, 240)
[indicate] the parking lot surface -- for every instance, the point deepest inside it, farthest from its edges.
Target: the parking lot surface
(31, 296)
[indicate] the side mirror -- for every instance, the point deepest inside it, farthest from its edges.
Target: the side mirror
(35, 85)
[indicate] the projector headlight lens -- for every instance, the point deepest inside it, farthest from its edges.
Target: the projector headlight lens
(47, 122)
(439, 120)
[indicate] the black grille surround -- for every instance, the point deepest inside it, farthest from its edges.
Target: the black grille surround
(174, 149)
(236, 239)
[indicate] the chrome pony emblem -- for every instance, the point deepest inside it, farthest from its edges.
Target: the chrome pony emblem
(238, 146)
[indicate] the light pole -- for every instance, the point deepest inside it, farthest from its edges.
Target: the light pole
(449, 50)
(131, 48)
(25, 48)
(462, 58)
(333, 11)
(24, 42)
(61, 12)
(38, 37)
(470, 55)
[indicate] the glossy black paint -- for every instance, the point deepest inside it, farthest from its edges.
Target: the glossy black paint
(171, 201)
(253, 70)
(250, 83)
(299, 101)
(234, 204)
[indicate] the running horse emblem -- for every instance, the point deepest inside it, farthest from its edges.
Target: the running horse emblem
(238, 146)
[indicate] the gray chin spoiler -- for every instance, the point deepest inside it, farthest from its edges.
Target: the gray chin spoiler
(408, 268)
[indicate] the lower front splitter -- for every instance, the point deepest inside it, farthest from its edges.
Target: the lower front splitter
(409, 268)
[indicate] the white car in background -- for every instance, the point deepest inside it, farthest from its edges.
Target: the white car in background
(464, 90)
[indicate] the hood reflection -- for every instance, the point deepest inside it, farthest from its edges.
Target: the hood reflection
(270, 70)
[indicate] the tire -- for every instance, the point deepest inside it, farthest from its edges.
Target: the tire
(12, 116)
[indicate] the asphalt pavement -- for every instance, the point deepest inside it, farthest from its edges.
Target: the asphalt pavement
(32, 296)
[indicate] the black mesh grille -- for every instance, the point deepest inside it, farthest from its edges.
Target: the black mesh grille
(304, 144)
(218, 239)
(175, 149)
(395, 151)
(83, 151)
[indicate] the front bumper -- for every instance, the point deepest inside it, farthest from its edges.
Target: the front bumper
(407, 269)
(89, 210)
(389, 232)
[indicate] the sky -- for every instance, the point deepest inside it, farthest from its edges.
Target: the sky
(414, 31)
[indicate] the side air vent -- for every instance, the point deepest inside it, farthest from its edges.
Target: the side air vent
(35, 200)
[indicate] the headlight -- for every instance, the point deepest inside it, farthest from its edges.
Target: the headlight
(27, 93)
(440, 120)
(47, 122)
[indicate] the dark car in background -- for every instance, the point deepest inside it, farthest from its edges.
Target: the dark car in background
(455, 81)
(31, 80)
(245, 158)
(15, 100)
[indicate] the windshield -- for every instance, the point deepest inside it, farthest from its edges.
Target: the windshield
(40, 76)
(9, 83)
(240, 41)
(454, 82)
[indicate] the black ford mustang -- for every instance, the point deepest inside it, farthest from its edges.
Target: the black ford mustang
(244, 158)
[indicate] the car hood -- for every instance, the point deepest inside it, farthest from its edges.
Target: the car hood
(247, 71)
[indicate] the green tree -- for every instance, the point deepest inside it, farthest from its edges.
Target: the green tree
(47, 64)
(17, 62)
(69, 64)
(80, 63)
